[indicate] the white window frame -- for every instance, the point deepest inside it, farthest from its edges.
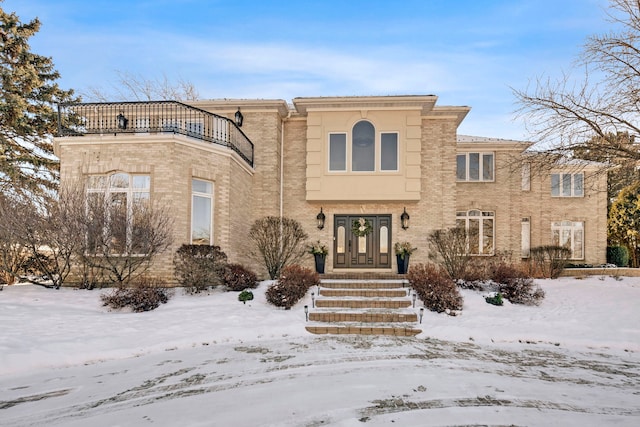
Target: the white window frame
(132, 193)
(574, 190)
(202, 195)
(397, 134)
(346, 152)
(525, 237)
(571, 230)
(481, 155)
(480, 216)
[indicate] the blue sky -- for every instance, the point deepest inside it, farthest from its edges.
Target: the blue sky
(467, 52)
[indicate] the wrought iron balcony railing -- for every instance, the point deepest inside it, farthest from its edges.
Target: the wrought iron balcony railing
(153, 117)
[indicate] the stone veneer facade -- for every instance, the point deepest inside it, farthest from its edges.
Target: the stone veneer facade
(291, 177)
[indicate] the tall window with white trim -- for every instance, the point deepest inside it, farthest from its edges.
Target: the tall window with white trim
(569, 234)
(114, 205)
(480, 229)
(201, 212)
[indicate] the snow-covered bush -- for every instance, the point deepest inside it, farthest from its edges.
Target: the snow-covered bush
(145, 295)
(237, 278)
(435, 288)
(293, 284)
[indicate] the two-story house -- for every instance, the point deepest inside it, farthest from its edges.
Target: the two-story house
(395, 162)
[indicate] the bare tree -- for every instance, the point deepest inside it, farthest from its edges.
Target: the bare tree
(565, 114)
(48, 233)
(13, 253)
(135, 87)
(122, 238)
(279, 242)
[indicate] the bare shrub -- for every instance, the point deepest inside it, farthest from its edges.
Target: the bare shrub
(437, 291)
(279, 242)
(198, 267)
(293, 284)
(449, 248)
(121, 239)
(239, 278)
(144, 295)
(549, 261)
(515, 284)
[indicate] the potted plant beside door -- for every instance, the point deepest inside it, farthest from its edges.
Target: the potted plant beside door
(319, 252)
(403, 252)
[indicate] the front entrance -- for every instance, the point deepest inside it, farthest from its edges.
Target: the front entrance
(370, 251)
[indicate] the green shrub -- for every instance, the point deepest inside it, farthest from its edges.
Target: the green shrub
(435, 288)
(197, 267)
(618, 255)
(145, 295)
(245, 296)
(494, 299)
(293, 284)
(237, 278)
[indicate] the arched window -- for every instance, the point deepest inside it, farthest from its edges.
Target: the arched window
(363, 147)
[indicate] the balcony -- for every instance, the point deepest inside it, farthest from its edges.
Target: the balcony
(150, 118)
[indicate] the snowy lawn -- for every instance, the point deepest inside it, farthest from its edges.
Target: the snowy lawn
(209, 360)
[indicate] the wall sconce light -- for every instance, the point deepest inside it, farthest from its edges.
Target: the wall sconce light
(306, 313)
(404, 219)
(239, 118)
(122, 121)
(320, 218)
(421, 313)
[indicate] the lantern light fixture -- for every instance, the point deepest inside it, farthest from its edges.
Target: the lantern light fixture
(404, 219)
(239, 118)
(320, 218)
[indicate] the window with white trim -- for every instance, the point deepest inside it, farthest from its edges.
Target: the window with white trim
(338, 152)
(367, 151)
(389, 151)
(475, 167)
(569, 234)
(114, 203)
(201, 212)
(480, 230)
(567, 184)
(525, 238)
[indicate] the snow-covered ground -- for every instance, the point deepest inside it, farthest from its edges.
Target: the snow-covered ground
(209, 360)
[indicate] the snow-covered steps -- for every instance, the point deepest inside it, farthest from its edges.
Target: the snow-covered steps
(401, 331)
(364, 307)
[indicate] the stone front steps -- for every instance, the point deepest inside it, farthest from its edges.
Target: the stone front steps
(363, 307)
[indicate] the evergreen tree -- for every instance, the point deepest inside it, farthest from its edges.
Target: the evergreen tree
(624, 222)
(28, 114)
